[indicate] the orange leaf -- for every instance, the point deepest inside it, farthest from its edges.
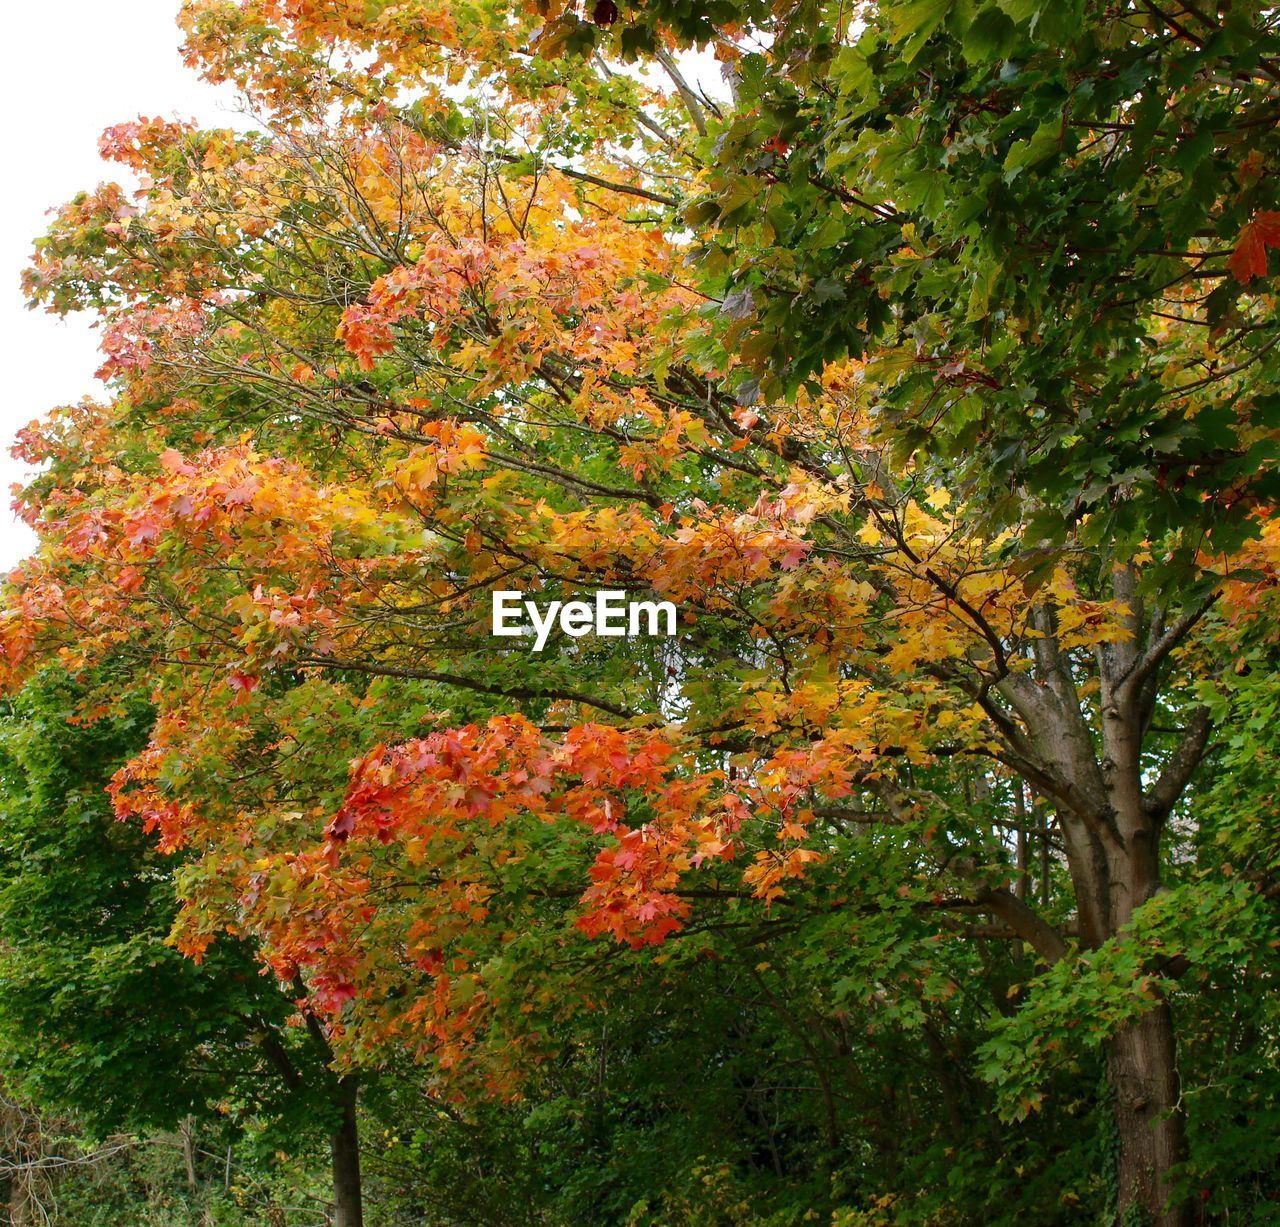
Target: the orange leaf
(1249, 260)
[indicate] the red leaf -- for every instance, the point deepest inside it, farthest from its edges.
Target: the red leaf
(1249, 260)
(342, 826)
(244, 684)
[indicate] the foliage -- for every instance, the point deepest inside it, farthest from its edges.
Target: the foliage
(103, 1019)
(930, 374)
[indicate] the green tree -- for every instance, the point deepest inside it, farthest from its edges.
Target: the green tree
(101, 1017)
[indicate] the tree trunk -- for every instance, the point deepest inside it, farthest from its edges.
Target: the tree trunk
(1143, 1072)
(188, 1134)
(1112, 803)
(348, 1209)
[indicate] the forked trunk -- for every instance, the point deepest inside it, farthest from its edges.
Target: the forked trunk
(1112, 805)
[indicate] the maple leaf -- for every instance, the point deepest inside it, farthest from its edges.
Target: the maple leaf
(143, 529)
(1249, 260)
(244, 684)
(342, 826)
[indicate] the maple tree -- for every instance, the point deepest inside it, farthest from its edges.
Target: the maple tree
(929, 373)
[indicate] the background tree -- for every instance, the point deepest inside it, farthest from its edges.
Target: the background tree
(102, 1018)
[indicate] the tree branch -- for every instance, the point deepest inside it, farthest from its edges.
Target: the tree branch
(1182, 763)
(469, 683)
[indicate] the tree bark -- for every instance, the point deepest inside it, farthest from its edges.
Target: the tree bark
(348, 1205)
(1143, 1072)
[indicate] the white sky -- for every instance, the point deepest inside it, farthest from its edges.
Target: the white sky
(67, 71)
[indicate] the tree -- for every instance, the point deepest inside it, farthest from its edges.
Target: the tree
(954, 597)
(102, 1018)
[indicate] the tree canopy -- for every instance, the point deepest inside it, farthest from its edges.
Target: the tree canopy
(926, 364)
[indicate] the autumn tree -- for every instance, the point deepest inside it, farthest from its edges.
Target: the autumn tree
(928, 369)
